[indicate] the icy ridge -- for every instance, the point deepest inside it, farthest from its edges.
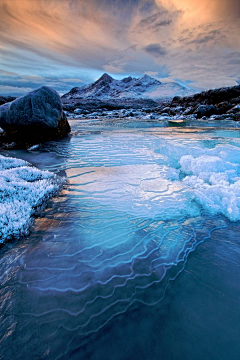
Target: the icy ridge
(23, 188)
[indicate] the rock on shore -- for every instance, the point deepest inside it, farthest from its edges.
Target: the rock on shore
(33, 118)
(216, 104)
(219, 104)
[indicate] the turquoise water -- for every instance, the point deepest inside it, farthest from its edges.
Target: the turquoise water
(130, 261)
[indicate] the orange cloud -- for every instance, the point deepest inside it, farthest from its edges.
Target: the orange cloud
(183, 36)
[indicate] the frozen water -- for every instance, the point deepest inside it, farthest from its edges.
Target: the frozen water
(214, 182)
(149, 175)
(105, 272)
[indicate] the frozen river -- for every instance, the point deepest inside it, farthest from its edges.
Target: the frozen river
(138, 257)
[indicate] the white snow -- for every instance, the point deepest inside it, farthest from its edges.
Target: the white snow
(214, 183)
(23, 188)
(212, 175)
(107, 88)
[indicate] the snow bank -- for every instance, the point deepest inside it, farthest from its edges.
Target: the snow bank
(214, 182)
(23, 189)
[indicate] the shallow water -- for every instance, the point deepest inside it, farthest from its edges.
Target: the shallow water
(129, 262)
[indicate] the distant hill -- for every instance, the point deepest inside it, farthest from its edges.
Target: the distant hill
(108, 89)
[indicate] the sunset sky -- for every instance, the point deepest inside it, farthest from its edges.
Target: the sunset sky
(67, 43)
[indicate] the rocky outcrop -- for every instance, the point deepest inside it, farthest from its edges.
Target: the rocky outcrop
(6, 99)
(33, 118)
(125, 92)
(146, 98)
(219, 104)
(205, 110)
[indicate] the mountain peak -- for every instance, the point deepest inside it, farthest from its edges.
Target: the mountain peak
(146, 77)
(107, 88)
(106, 77)
(127, 79)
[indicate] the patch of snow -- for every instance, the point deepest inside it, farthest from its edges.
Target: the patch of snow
(146, 87)
(214, 182)
(23, 189)
(34, 147)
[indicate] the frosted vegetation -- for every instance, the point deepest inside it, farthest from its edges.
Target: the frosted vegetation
(23, 189)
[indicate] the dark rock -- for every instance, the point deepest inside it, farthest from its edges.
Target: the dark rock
(78, 111)
(166, 109)
(235, 100)
(34, 117)
(176, 99)
(6, 99)
(69, 107)
(179, 109)
(153, 116)
(212, 97)
(223, 107)
(234, 110)
(206, 110)
(215, 102)
(188, 111)
(9, 146)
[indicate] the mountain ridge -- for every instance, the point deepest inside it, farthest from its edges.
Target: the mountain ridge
(145, 87)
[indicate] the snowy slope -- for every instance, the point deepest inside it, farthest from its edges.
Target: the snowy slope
(107, 88)
(23, 189)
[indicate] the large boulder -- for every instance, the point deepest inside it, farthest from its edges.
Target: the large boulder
(34, 117)
(205, 110)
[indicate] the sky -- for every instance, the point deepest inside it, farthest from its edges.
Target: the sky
(68, 43)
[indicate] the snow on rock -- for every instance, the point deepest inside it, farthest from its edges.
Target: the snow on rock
(23, 189)
(107, 88)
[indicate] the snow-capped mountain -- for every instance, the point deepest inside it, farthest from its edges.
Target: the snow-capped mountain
(146, 87)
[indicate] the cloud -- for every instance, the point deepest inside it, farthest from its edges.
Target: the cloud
(151, 73)
(60, 42)
(203, 38)
(155, 50)
(69, 80)
(18, 84)
(163, 23)
(150, 20)
(156, 22)
(234, 62)
(14, 90)
(7, 73)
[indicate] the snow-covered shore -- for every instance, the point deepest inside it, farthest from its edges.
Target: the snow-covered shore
(23, 188)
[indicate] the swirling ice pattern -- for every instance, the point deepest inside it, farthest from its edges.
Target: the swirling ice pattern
(113, 240)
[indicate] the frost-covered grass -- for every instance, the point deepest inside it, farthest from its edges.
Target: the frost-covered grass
(23, 188)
